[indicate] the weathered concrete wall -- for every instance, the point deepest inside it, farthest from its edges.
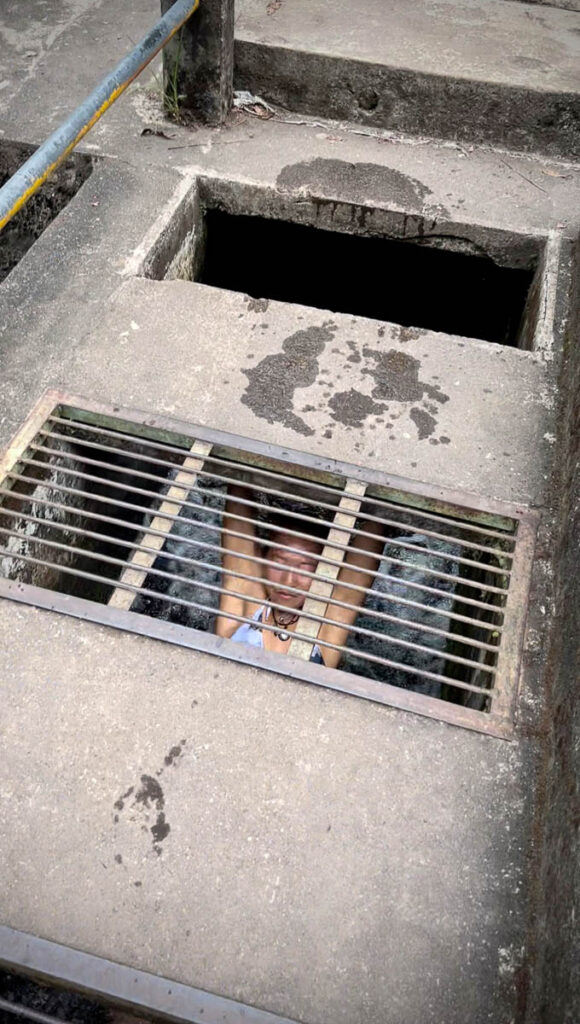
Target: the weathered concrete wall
(410, 102)
(555, 990)
(492, 72)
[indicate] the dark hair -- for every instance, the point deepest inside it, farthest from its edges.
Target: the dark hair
(283, 523)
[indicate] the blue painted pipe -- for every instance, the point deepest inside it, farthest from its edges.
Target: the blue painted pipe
(28, 178)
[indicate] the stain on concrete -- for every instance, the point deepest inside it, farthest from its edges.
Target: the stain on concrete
(424, 422)
(396, 377)
(356, 183)
(161, 829)
(120, 803)
(150, 793)
(274, 380)
(173, 754)
(257, 305)
(355, 356)
(352, 407)
(149, 796)
(409, 334)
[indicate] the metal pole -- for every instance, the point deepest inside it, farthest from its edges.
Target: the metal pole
(199, 65)
(28, 178)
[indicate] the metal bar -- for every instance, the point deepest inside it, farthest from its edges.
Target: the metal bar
(185, 477)
(146, 441)
(318, 675)
(395, 506)
(404, 545)
(442, 500)
(517, 605)
(327, 572)
(29, 178)
(138, 589)
(364, 655)
(449, 538)
(25, 436)
(125, 987)
(277, 493)
(156, 552)
(84, 513)
(119, 503)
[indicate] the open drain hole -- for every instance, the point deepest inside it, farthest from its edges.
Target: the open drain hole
(403, 282)
(275, 553)
(41, 209)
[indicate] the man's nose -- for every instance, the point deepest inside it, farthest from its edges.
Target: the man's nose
(290, 578)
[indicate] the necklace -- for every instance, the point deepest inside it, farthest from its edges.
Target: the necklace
(282, 634)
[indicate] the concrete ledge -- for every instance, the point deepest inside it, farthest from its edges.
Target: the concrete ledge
(476, 72)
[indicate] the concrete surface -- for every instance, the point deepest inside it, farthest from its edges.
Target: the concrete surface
(458, 69)
(491, 42)
(323, 852)
(421, 900)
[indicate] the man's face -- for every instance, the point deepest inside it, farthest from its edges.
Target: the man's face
(289, 569)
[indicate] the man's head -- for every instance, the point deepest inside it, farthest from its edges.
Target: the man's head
(293, 559)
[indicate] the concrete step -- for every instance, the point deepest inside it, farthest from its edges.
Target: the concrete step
(470, 70)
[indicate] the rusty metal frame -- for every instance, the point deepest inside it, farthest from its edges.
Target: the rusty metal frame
(519, 522)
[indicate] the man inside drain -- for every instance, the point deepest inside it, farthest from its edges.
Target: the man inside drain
(282, 569)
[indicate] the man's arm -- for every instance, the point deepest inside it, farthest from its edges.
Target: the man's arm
(362, 559)
(235, 560)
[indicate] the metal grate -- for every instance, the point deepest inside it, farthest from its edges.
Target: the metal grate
(121, 518)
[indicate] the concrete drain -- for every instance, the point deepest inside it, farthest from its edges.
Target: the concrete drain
(403, 282)
(409, 269)
(121, 518)
(24, 229)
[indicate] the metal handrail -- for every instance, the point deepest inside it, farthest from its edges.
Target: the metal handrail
(32, 174)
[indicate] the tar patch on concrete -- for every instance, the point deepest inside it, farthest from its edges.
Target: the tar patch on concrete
(396, 377)
(352, 407)
(355, 356)
(354, 183)
(174, 754)
(150, 793)
(148, 797)
(273, 382)
(424, 422)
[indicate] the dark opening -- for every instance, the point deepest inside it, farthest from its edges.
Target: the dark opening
(23, 230)
(28, 997)
(406, 283)
(84, 503)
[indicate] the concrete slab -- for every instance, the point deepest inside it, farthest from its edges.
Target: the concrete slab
(168, 346)
(326, 859)
(457, 69)
(490, 42)
(33, 34)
